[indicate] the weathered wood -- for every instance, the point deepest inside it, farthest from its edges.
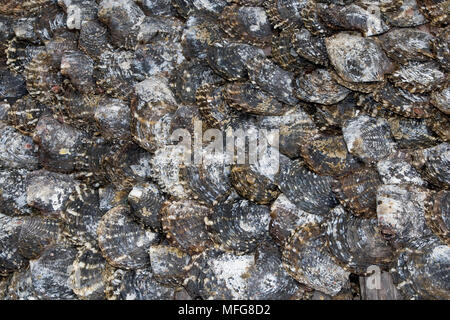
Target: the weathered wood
(382, 288)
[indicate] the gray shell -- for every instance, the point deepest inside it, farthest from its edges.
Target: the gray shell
(10, 258)
(146, 201)
(307, 260)
(357, 59)
(122, 241)
(307, 190)
(88, 277)
(422, 272)
(238, 225)
(13, 195)
(401, 212)
(357, 243)
(50, 273)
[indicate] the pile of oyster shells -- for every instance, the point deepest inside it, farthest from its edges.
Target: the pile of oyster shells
(95, 202)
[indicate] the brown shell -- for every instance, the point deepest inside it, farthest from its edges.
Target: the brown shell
(123, 242)
(249, 24)
(306, 259)
(248, 98)
(252, 185)
(357, 191)
(328, 155)
(438, 215)
(183, 223)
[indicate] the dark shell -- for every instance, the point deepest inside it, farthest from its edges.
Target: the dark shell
(25, 113)
(127, 165)
(13, 86)
(123, 19)
(212, 106)
(401, 212)
(404, 102)
(116, 73)
(440, 124)
(123, 242)
(79, 12)
(306, 259)
(151, 112)
(113, 118)
(51, 272)
(328, 155)
(406, 44)
(441, 48)
(418, 76)
(408, 15)
(307, 190)
(43, 79)
(286, 217)
(285, 14)
(248, 98)
(423, 273)
(368, 138)
(49, 191)
(309, 47)
(271, 78)
(357, 59)
(252, 185)
(396, 169)
(111, 197)
(230, 59)
(319, 87)
(168, 264)
(411, 133)
(160, 58)
(61, 147)
(352, 17)
(141, 285)
(357, 191)
(183, 223)
(19, 7)
(436, 11)
(364, 87)
(50, 22)
(220, 275)
(441, 99)
(93, 39)
(438, 215)
(79, 68)
(311, 19)
(286, 54)
(188, 7)
(13, 192)
(157, 7)
(238, 225)
(334, 116)
(16, 150)
(88, 277)
(434, 164)
(146, 200)
(20, 286)
(248, 24)
(10, 258)
(209, 181)
(36, 234)
(268, 279)
(357, 243)
(166, 164)
(82, 215)
(200, 34)
(189, 77)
